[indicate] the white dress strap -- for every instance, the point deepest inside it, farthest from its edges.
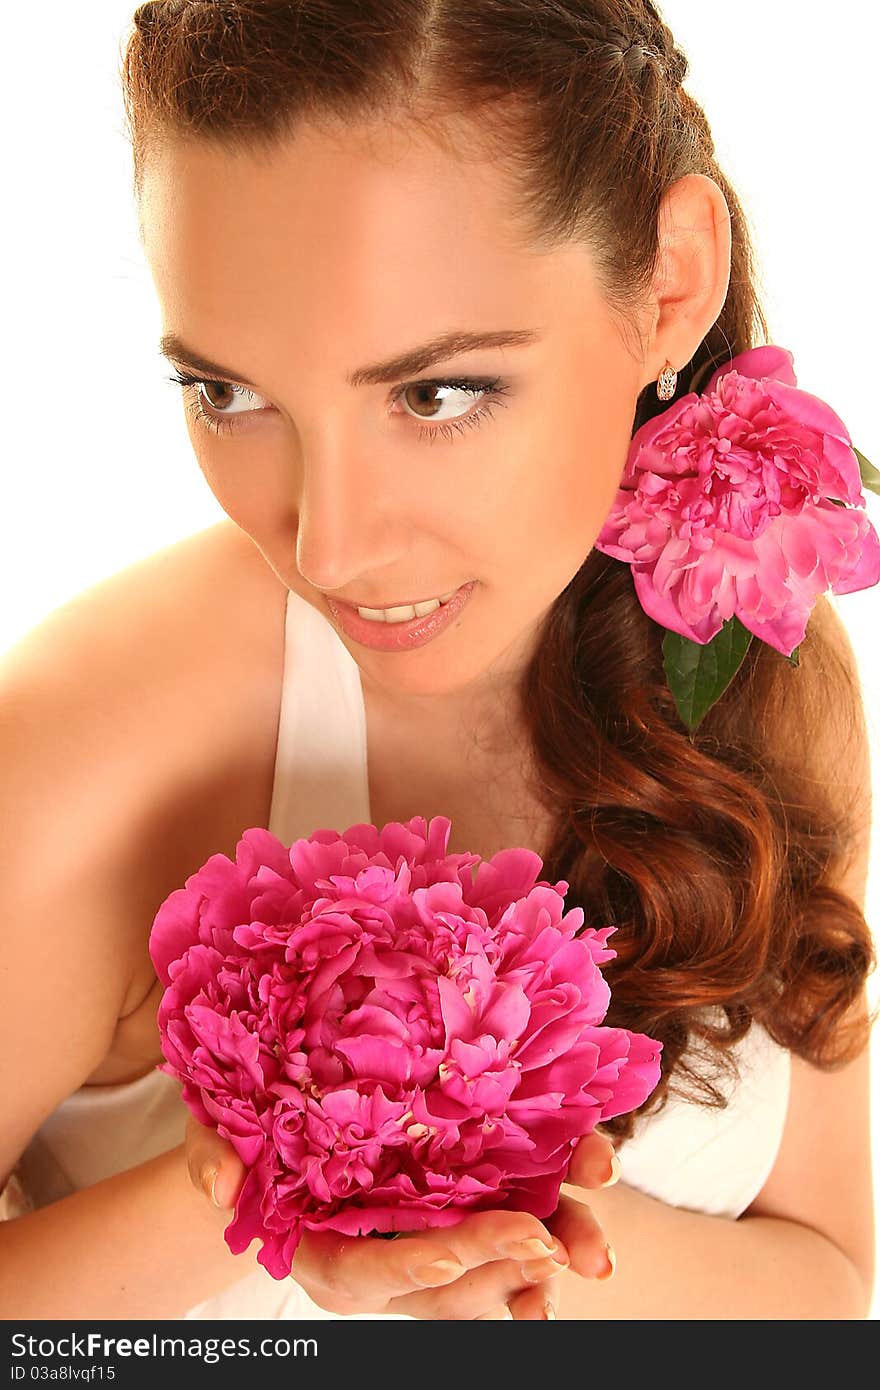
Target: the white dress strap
(321, 757)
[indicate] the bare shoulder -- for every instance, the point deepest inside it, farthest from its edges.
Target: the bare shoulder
(203, 587)
(157, 691)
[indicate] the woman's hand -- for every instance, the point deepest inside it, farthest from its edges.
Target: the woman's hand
(593, 1164)
(490, 1264)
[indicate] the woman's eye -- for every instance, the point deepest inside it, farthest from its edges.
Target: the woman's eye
(442, 406)
(221, 389)
(470, 401)
(216, 416)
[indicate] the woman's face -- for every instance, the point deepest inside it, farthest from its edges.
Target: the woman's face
(297, 270)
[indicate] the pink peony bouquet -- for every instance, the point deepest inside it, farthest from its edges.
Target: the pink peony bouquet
(386, 1038)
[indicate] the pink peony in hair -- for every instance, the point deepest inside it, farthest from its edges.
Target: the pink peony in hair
(729, 506)
(387, 1039)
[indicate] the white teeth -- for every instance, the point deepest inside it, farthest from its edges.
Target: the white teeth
(404, 614)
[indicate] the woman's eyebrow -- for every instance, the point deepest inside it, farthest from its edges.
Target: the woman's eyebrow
(416, 359)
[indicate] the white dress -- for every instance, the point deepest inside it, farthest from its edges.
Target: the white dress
(713, 1161)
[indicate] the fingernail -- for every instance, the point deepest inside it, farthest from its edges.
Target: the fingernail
(534, 1249)
(549, 1311)
(536, 1272)
(209, 1183)
(440, 1272)
(613, 1172)
(612, 1263)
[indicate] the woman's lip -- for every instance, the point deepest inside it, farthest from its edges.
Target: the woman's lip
(389, 637)
(379, 607)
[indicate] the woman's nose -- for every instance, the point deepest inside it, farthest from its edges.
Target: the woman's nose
(346, 523)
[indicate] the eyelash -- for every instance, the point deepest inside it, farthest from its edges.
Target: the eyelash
(492, 390)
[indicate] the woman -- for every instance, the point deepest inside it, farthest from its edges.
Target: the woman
(298, 170)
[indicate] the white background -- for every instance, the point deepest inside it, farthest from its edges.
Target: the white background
(97, 467)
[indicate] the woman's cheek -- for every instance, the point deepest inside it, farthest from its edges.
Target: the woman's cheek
(253, 484)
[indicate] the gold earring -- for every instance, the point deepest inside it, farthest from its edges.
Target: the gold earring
(666, 383)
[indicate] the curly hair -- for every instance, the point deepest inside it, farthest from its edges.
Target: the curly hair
(712, 853)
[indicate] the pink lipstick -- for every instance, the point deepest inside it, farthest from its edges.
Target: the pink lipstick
(399, 637)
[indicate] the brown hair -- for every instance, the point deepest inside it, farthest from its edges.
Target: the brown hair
(711, 854)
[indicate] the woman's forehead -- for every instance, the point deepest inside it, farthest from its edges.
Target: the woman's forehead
(323, 234)
(318, 184)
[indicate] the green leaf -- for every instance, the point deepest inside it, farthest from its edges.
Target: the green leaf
(698, 673)
(870, 476)
(794, 659)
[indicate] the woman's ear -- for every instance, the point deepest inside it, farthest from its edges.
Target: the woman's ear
(693, 272)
